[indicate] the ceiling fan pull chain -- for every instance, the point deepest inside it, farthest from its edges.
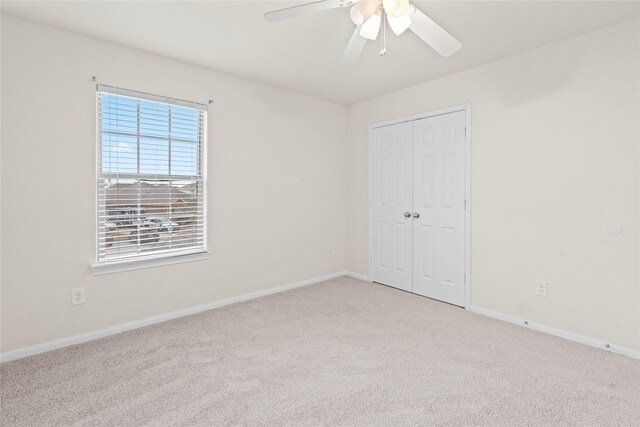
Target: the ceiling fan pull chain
(384, 34)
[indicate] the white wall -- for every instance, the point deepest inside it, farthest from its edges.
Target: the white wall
(277, 195)
(555, 162)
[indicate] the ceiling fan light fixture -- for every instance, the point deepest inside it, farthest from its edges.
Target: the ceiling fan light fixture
(370, 16)
(395, 8)
(371, 27)
(399, 25)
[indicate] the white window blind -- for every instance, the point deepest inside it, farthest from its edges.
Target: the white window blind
(151, 176)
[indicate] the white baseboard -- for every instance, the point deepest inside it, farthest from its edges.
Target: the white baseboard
(101, 333)
(112, 330)
(357, 276)
(593, 342)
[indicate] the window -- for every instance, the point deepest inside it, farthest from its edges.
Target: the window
(151, 179)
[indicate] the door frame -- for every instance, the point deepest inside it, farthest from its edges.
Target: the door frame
(467, 214)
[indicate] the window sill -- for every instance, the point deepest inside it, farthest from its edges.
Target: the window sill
(117, 266)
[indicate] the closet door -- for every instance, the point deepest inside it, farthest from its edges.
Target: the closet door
(439, 207)
(391, 203)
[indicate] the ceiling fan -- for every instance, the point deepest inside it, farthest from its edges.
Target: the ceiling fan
(369, 16)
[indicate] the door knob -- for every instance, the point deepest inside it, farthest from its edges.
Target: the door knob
(416, 215)
(407, 214)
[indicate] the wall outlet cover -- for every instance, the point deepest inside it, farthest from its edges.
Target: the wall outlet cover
(542, 288)
(78, 296)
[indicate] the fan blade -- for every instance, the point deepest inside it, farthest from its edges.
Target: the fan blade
(433, 34)
(354, 48)
(304, 9)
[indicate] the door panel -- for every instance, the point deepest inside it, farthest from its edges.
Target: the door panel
(425, 238)
(439, 199)
(391, 197)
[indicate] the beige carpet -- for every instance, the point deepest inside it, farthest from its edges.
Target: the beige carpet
(342, 352)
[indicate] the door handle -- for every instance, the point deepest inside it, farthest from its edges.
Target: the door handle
(416, 215)
(407, 214)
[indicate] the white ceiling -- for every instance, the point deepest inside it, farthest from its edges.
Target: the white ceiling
(302, 54)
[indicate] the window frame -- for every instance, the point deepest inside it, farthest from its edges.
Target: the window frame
(133, 262)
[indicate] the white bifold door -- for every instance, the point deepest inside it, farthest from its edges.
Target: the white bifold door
(418, 206)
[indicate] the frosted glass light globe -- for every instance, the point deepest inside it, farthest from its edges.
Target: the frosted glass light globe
(395, 8)
(362, 11)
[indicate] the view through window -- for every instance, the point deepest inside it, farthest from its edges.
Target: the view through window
(151, 176)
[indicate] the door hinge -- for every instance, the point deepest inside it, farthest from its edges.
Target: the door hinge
(465, 131)
(465, 204)
(465, 277)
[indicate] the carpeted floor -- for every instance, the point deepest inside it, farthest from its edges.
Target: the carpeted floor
(342, 352)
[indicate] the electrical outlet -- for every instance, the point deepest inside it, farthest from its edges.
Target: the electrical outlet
(542, 288)
(78, 296)
(330, 252)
